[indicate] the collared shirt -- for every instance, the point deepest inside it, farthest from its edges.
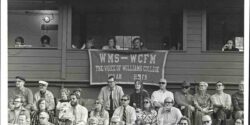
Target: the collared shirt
(80, 114)
(49, 97)
(238, 101)
(130, 114)
(14, 116)
(27, 94)
(117, 94)
(160, 96)
(171, 117)
(221, 99)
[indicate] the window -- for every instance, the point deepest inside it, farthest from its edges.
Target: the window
(26, 28)
(158, 26)
(225, 22)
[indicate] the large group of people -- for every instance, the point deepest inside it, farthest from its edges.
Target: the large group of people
(114, 107)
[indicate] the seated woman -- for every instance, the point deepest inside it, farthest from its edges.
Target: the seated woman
(137, 97)
(41, 105)
(229, 46)
(138, 44)
(63, 105)
(45, 41)
(111, 44)
(148, 116)
(184, 121)
(100, 113)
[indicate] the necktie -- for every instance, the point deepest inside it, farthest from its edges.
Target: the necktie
(111, 101)
(124, 115)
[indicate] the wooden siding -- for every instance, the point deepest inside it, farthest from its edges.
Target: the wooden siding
(34, 63)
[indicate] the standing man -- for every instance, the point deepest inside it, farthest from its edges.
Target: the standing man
(168, 115)
(46, 94)
(126, 112)
(111, 95)
(221, 103)
(206, 120)
(184, 101)
(80, 113)
(24, 92)
(15, 114)
(160, 95)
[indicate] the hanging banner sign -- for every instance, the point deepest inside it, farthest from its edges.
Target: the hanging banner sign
(127, 66)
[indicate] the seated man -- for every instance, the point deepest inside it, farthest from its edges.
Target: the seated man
(138, 44)
(168, 115)
(17, 111)
(44, 118)
(160, 95)
(78, 94)
(44, 93)
(238, 101)
(222, 104)
(125, 112)
(26, 93)
(184, 101)
(206, 120)
(22, 120)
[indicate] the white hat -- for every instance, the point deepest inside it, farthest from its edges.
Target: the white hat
(43, 82)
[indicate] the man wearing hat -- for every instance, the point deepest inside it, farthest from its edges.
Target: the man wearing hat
(26, 93)
(184, 101)
(46, 94)
(161, 94)
(111, 95)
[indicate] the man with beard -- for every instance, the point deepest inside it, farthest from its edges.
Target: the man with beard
(78, 94)
(111, 95)
(221, 103)
(80, 113)
(46, 94)
(168, 115)
(26, 93)
(17, 111)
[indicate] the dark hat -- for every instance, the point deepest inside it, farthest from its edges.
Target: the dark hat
(185, 84)
(20, 77)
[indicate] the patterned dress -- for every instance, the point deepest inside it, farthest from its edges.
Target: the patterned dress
(148, 118)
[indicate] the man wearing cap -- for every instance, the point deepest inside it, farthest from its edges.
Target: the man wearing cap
(168, 115)
(111, 95)
(238, 101)
(44, 93)
(26, 93)
(184, 101)
(221, 103)
(161, 94)
(78, 93)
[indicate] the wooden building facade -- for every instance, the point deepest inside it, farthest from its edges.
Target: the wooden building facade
(65, 67)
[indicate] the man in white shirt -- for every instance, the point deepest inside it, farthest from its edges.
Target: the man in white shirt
(160, 95)
(77, 113)
(168, 115)
(221, 103)
(126, 113)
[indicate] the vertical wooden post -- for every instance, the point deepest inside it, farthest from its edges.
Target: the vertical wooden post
(204, 30)
(64, 41)
(184, 30)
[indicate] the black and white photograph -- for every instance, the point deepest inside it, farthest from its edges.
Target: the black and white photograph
(124, 62)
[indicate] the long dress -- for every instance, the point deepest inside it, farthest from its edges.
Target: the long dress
(201, 102)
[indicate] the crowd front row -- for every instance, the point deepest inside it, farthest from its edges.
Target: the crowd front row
(113, 107)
